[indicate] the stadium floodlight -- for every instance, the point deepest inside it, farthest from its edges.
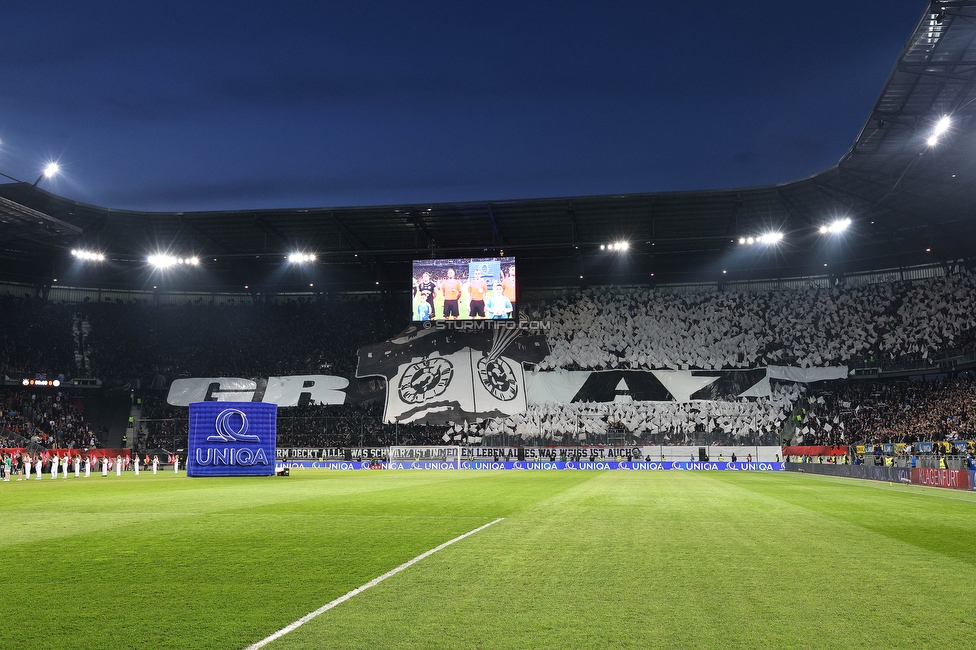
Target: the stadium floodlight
(165, 260)
(87, 256)
(765, 238)
(162, 260)
(50, 171)
(301, 258)
(616, 246)
(940, 127)
(836, 226)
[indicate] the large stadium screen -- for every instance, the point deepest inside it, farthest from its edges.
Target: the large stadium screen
(464, 289)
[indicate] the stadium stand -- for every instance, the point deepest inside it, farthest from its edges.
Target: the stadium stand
(53, 421)
(643, 328)
(607, 328)
(889, 412)
(886, 322)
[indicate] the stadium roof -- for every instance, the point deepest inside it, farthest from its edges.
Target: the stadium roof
(911, 199)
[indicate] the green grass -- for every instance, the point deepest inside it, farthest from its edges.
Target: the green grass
(582, 560)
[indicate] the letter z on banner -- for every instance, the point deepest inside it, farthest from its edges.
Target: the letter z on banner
(232, 439)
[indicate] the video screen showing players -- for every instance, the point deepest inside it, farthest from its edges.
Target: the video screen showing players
(464, 289)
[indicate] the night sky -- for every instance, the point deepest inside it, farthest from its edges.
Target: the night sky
(189, 106)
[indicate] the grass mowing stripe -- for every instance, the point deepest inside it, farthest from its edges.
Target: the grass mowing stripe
(667, 559)
(372, 583)
(911, 488)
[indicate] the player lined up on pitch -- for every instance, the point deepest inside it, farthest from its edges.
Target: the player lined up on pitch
(38, 465)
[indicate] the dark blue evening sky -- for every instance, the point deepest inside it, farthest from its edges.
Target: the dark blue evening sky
(190, 105)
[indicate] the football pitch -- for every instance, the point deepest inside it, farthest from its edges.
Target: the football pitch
(584, 559)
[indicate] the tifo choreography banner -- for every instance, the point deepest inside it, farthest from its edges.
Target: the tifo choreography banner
(561, 386)
(442, 376)
(595, 452)
(331, 453)
(295, 390)
(537, 465)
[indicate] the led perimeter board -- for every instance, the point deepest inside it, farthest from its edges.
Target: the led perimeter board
(464, 289)
(232, 439)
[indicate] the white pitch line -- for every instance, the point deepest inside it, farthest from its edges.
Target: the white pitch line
(358, 590)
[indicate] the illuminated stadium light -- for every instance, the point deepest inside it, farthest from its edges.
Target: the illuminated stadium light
(165, 261)
(616, 246)
(940, 127)
(301, 258)
(839, 225)
(161, 261)
(88, 256)
(50, 171)
(765, 238)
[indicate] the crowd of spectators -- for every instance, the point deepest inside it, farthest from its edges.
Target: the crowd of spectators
(600, 328)
(35, 336)
(52, 420)
(204, 340)
(857, 412)
(605, 328)
(813, 327)
(348, 425)
(137, 340)
(755, 421)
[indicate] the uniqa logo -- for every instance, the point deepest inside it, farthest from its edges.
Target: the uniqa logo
(231, 456)
(231, 425)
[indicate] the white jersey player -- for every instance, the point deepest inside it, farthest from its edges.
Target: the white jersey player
(87, 466)
(37, 467)
(64, 466)
(135, 464)
(104, 465)
(54, 466)
(118, 465)
(77, 466)
(155, 463)
(28, 466)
